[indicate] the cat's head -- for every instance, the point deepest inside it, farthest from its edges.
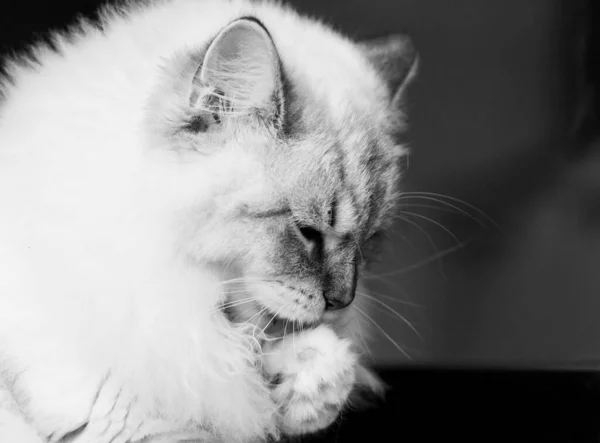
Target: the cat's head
(304, 161)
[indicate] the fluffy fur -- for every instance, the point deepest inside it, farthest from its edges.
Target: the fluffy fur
(156, 186)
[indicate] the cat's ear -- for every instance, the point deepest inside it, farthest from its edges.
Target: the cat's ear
(240, 75)
(396, 59)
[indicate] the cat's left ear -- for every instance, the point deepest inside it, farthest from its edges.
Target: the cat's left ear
(240, 75)
(396, 60)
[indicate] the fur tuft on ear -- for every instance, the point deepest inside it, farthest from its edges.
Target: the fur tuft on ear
(396, 59)
(240, 74)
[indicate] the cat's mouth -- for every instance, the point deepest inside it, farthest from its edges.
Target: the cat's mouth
(278, 326)
(268, 322)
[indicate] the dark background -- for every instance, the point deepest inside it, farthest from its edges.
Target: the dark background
(504, 118)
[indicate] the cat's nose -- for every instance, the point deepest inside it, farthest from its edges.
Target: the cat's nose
(343, 295)
(313, 240)
(335, 304)
(336, 300)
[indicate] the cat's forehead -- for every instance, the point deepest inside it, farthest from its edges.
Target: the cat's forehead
(349, 166)
(347, 149)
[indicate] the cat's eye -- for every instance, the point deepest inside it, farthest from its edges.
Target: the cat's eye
(332, 213)
(310, 234)
(268, 213)
(313, 240)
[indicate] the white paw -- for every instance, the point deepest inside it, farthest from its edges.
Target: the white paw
(313, 374)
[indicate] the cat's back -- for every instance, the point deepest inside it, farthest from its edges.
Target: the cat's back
(99, 76)
(118, 63)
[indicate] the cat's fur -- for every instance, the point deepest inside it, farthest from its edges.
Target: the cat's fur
(164, 179)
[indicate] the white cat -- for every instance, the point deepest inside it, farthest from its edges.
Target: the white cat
(180, 188)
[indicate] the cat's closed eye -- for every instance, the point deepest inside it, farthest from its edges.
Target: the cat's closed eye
(310, 234)
(283, 211)
(332, 214)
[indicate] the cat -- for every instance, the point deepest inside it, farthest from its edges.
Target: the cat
(190, 190)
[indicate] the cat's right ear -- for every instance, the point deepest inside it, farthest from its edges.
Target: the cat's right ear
(396, 59)
(240, 76)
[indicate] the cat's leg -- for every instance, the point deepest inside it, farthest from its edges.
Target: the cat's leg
(13, 428)
(313, 374)
(118, 417)
(55, 401)
(98, 412)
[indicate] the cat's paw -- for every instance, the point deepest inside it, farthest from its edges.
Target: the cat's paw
(312, 375)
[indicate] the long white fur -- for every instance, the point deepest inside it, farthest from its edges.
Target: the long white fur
(139, 314)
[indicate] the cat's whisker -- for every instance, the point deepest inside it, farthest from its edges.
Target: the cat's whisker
(403, 237)
(399, 289)
(407, 297)
(443, 196)
(365, 345)
(392, 341)
(416, 225)
(234, 303)
(243, 280)
(231, 305)
(420, 264)
(441, 209)
(285, 326)
(238, 315)
(394, 312)
(262, 332)
(256, 341)
(424, 232)
(445, 206)
(260, 313)
(248, 320)
(241, 291)
(454, 199)
(391, 299)
(271, 320)
(294, 337)
(234, 300)
(414, 214)
(359, 249)
(314, 309)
